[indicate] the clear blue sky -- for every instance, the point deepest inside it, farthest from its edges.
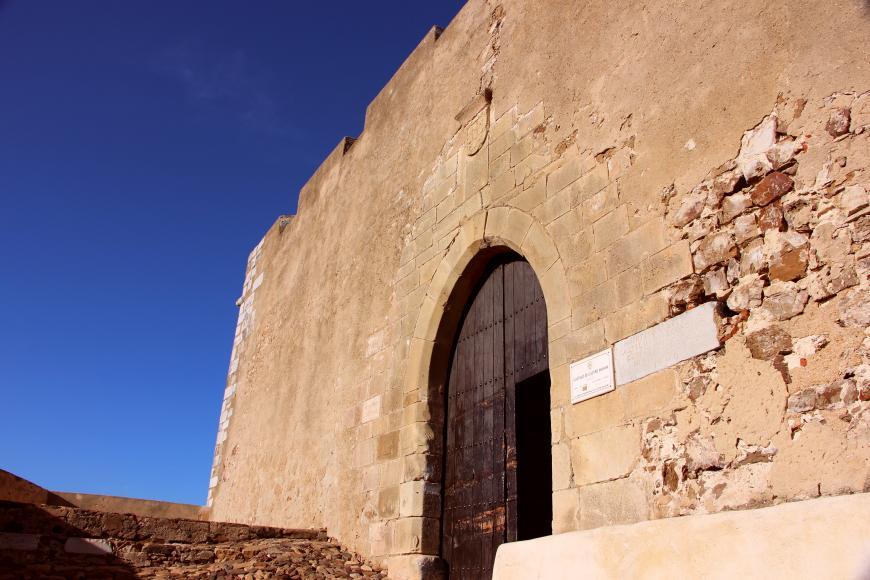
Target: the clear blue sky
(145, 148)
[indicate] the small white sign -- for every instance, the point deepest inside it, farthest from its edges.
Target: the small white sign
(592, 376)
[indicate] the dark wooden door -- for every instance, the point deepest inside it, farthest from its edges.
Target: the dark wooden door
(502, 341)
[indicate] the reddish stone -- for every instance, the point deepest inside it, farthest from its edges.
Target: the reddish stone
(838, 124)
(772, 187)
(771, 217)
(789, 265)
(769, 342)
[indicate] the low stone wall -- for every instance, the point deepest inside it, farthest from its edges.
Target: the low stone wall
(18, 489)
(14, 488)
(821, 538)
(139, 507)
(55, 542)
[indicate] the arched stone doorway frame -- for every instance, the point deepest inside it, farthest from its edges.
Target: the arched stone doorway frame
(482, 237)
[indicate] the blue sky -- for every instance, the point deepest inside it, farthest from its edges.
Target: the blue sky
(145, 147)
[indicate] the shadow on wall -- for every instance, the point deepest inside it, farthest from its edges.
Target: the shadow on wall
(35, 543)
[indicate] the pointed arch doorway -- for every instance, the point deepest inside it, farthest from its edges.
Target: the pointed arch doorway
(497, 476)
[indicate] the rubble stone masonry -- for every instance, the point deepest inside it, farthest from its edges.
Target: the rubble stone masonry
(645, 160)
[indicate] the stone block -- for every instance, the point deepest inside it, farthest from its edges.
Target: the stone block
(632, 248)
(388, 446)
(626, 289)
(416, 536)
(371, 409)
(184, 531)
(604, 455)
(650, 395)
(523, 149)
(557, 430)
(444, 208)
(564, 176)
(498, 165)
(590, 273)
(734, 205)
(598, 204)
(771, 217)
(502, 185)
(419, 498)
(390, 473)
(566, 225)
(415, 567)
(448, 168)
(554, 207)
(671, 264)
(380, 538)
(560, 386)
(527, 169)
(575, 250)
(531, 197)
(515, 227)
(559, 329)
(421, 467)
(407, 284)
(538, 248)
(565, 506)
(772, 187)
(611, 503)
(530, 121)
(579, 343)
(388, 502)
(418, 438)
(610, 227)
(768, 342)
(416, 413)
(22, 542)
(226, 532)
(501, 145)
(635, 317)
(561, 466)
(555, 288)
(505, 121)
(745, 228)
(593, 415)
(444, 228)
(89, 546)
(594, 304)
(682, 337)
(429, 317)
(717, 248)
(788, 253)
(475, 172)
(595, 179)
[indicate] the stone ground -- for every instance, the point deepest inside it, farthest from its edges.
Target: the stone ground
(49, 542)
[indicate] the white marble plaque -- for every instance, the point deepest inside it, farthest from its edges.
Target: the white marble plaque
(592, 376)
(691, 333)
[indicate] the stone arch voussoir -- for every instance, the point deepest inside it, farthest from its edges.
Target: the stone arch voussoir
(486, 232)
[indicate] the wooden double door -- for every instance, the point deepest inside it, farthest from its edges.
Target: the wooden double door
(497, 471)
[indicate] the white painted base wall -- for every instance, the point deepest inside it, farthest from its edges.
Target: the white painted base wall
(820, 538)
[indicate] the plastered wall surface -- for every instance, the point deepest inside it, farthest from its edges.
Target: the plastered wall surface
(645, 160)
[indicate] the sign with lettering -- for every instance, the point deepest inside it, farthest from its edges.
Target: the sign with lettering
(592, 376)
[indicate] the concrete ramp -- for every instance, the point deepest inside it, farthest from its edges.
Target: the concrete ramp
(819, 538)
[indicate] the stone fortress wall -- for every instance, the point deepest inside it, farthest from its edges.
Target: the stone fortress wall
(652, 163)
